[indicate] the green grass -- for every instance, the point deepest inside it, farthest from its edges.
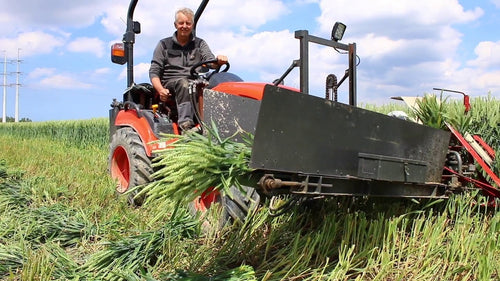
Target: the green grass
(61, 220)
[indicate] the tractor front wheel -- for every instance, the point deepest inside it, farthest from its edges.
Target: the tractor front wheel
(128, 163)
(239, 204)
(235, 207)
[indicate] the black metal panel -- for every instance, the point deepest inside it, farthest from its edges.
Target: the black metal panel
(380, 167)
(300, 133)
(230, 113)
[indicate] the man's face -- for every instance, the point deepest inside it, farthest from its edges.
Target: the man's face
(183, 24)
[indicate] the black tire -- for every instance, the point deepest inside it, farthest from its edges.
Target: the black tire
(234, 209)
(128, 163)
(239, 204)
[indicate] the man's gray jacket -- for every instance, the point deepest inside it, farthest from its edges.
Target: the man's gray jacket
(173, 61)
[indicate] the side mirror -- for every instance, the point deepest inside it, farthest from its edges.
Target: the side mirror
(118, 53)
(137, 27)
(338, 31)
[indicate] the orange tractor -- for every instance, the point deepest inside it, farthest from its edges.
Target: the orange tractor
(304, 146)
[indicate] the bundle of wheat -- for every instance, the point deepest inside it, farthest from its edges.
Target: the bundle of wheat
(195, 163)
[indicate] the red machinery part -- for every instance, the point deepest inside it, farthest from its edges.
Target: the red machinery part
(491, 189)
(140, 125)
(206, 199)
(486, 147)
(120, 168)
(246, 89)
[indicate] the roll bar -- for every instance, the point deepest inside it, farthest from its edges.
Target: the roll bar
(129, 40)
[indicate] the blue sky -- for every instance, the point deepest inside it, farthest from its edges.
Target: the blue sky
(405, 47)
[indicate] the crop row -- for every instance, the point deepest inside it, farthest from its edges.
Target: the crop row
(79, 133)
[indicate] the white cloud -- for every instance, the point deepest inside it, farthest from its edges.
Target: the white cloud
(87, 45)
(496, 3)
(102, 71)
(399, 31)
(300, 2)
(48, 78)
(141, 73)
(51, 13)
(63, 81)
(31, 43)
(252, 13)
(268, 51)
(115, 18)
(41, 72)
(488, 55)
(489, 81)
(387, 16)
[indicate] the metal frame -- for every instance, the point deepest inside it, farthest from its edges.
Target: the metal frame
(303, 62)
(316, 185)
(129, 40)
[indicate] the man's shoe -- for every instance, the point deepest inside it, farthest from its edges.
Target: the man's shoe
(186, 125)
(189, 127)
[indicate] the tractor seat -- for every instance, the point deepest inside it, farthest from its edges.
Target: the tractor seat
(144, 95)
(141, 94)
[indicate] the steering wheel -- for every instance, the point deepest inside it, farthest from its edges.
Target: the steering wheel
(196, 74)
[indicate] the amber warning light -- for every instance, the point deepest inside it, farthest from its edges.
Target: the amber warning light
(118, 53)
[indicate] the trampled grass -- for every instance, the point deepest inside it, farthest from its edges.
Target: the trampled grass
(60, 220)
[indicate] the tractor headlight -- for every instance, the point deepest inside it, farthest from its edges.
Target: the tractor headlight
(338, 31)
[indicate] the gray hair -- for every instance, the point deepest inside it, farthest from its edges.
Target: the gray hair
(186, 11)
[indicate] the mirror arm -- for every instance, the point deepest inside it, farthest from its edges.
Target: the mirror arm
(294, 64)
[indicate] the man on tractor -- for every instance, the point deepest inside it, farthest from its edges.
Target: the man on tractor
(172, 60)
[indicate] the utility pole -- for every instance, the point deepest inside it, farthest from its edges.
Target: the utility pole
(4, 116)
(17, 87)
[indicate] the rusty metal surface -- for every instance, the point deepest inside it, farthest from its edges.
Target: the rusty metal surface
(230, 113)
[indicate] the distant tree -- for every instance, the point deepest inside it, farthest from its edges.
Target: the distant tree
(12, 119)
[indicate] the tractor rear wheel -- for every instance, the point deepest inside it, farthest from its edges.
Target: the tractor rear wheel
(128, 163)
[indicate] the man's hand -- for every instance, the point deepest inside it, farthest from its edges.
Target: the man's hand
(164, 94)
(221, 59)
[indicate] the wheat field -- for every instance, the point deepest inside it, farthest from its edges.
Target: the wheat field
(61, 220)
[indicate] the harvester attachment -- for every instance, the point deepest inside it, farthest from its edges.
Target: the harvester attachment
(232, 114)
(308, 145)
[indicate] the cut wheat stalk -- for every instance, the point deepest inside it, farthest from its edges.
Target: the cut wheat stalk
(195, 163)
